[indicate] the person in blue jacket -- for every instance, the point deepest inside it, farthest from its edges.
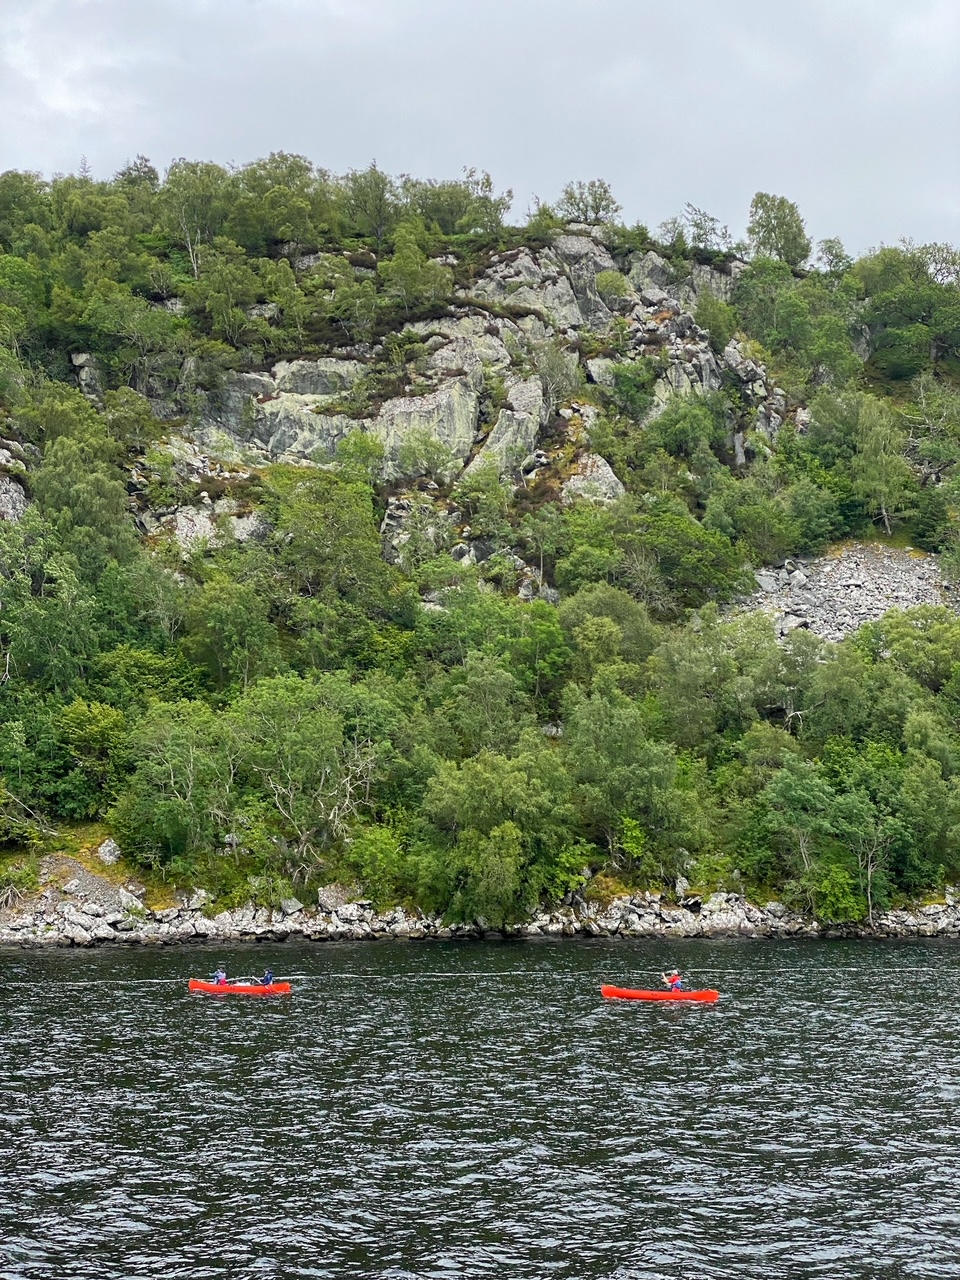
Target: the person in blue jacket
(220, 977)
(267, 979)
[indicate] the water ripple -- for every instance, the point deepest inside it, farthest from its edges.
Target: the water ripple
(444, 1112)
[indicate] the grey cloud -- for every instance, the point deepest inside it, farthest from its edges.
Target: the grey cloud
(847, 106)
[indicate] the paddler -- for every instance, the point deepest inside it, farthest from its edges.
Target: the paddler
(267, 979)
(673, 980)
(220, 977)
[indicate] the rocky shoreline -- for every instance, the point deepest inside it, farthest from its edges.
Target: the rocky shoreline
(88, 911)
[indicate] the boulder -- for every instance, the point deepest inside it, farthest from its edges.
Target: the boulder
(13, 500)
(649, 269)
(88, 375)
(470, 353)
(129, 901)
(448, 414)
(593, 479)
(109, 852)
(514, 433)
(584, 258)
(326, 377)
(601, 370)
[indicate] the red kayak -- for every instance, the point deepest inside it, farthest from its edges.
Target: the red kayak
(239, 988)
(624, 993)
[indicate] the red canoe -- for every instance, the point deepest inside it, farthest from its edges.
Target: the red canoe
(624, 993)
(240, 988)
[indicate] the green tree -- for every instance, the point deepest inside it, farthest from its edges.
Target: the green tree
(79, 490)
(194, 204)
(409, 276)
(94, 736)
(776, 229)
(353, 304)
(181, 796)
(311, 780)
(618, 771)
(717, 317)
(591, 202)
(229, 634)
(372, 202)
(484, 707)
(881, 474)
(226, 285)
(48, 632)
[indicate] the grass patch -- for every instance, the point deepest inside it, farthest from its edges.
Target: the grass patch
(19, 875)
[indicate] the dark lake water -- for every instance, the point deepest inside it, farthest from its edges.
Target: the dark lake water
(452, 1111)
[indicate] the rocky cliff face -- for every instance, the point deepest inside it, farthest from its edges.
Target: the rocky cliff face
(523, 300)
(496, 386)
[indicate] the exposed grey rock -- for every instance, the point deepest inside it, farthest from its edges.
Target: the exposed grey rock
(718, 282)
(13, 500)
(448, 414)
(109, 852)
(527, 280)
(471, 353)
(263, 311)
(650, 269)
(601, 370)
(88, 375)
(340, 916)
(593, 479)
(323, 377)
(834, 595)
(515, 431)
(191, 527)
(584, 258)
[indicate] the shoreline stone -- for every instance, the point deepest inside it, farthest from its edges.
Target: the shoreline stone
(76, 918)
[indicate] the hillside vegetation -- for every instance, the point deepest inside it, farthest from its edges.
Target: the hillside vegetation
(352, 533)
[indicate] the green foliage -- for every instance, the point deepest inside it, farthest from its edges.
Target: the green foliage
(289, 709)
(776, 229)
(228, 633)
(592, 202)
(717, 317)
(760, 522)
(18, 876)
(632, 388)
(409, 276)
(484, 499)
(611, 286)
(424, 454)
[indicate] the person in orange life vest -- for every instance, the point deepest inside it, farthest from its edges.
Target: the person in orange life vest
(673, 980)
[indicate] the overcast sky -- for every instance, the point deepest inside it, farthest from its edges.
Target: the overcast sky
(849, 107)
